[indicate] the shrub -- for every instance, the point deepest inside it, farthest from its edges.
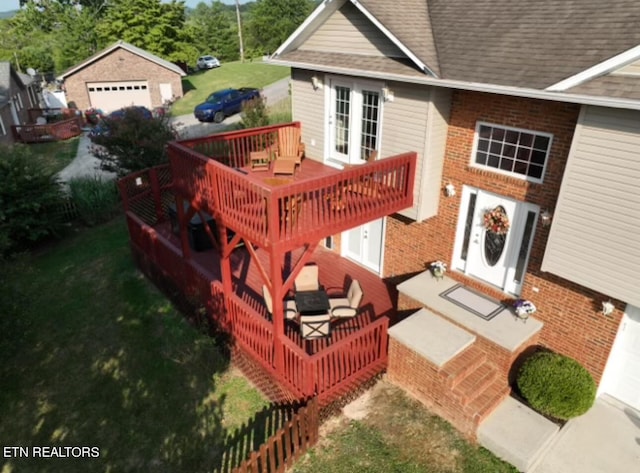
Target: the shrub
(29, 197)
(254, 113)
(556, 385)
(96, 200)
(132, 142)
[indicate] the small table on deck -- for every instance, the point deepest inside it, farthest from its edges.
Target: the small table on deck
(312, 302)
(284, 166)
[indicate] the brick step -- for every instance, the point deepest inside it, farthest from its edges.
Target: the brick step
(456, 370)
(475, 383)
(485, 403)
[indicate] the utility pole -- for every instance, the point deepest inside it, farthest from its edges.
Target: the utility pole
(239, 30)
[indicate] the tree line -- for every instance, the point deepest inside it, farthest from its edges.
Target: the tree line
(51, 36)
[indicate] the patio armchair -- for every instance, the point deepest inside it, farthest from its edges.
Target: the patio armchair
(290, 310)
(307, 278)
(315, 326)
(289, 144)
(343, 307)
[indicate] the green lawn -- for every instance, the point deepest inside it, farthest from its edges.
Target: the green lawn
(54, 156)
(198, 86)
(101, 358)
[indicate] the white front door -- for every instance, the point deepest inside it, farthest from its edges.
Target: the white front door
(166, 93)
(497, 256)
(364, 244)
(622, 376)
(353, 120)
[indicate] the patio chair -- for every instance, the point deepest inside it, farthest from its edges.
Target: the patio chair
(347, 306)
(307, 278)
(290, 310)
(315, 326)
(289, 144)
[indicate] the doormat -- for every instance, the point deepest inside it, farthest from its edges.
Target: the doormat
(477, 303)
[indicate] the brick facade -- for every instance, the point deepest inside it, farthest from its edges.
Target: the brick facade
(573, 324)
(121, 65)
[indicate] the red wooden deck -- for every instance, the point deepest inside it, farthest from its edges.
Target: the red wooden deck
(281, 220)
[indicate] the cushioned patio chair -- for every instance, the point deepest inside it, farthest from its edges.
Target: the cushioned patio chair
(347, 306)
(307, 278)
(290, 310)
(315, 326)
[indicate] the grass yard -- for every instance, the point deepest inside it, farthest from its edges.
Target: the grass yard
(54, 156)
(395, 434)
(100, 358)
(198, 86)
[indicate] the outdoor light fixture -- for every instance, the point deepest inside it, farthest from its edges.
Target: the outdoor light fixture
(545, 218)
(316, 82)
(608, 308)
(450, 190)
(387, 95)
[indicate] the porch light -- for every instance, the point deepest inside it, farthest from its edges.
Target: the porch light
(607, 308)
(316, 82)
(450, 190)
(545, 218)
(387, 95)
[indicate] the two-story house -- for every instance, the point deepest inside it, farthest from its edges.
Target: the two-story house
(17, 95)
(529, 109)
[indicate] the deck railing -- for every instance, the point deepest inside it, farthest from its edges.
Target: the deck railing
(330, 373)
(290, 212)
(57, 131)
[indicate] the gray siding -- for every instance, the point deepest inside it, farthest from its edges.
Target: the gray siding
(348, 30)
(594, 239)
(629, 69)
(433, 159)
(308, 108)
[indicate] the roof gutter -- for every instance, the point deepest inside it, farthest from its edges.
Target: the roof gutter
(472, 86)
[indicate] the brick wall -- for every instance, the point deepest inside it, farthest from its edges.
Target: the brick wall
(572, 324)
(121, 65)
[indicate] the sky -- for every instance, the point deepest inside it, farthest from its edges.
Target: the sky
(8, 5)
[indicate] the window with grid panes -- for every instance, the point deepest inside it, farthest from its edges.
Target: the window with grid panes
(512, 150)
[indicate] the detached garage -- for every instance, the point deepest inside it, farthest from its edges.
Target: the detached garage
(120, 76)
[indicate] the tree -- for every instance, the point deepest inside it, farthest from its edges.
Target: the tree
(148, 24)
(272, 21)
(133, 142)
(215, 30)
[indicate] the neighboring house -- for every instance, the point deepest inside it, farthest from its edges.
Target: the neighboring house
(536, 112)
(17, 95)
(120, 76)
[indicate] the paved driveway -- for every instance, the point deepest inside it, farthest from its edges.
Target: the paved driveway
(604, 440)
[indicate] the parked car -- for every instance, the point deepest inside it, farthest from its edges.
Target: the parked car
(223, 103)
(102, 127)
(207, 62)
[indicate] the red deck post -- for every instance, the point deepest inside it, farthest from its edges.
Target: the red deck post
(276, 258)
(155, 189)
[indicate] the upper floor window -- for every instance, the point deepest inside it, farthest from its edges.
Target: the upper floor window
(512, 150)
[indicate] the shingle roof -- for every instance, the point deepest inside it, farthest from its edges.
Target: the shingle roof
(610, 86)
(519, 43)
(130, 47)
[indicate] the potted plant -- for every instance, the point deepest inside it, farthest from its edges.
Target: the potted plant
(438, 268)
(524, 308)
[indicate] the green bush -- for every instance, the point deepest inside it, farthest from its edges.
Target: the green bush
(29, 198)
(133, 142)
(254, 113)
(556, 385)
(96, 200)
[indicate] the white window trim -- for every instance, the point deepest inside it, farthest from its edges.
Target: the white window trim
(356, 85)
(473, 163)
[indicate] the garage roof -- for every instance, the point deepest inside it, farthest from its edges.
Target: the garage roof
(129, 47)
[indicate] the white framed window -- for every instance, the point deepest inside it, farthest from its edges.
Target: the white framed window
(515, 151)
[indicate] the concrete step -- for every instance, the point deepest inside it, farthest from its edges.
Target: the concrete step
(432, 337)
(517, 434)
(456, 370)
(476, 383)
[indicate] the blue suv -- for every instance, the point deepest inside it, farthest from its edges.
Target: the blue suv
(223, 103)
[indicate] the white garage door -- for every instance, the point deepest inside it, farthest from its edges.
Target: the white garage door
(622, 376)
(110, 96)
